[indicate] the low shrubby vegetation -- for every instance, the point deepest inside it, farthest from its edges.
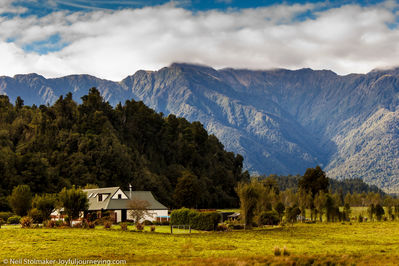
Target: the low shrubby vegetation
(26, 222)
(123, 226)
(206, 221)
(14, 219)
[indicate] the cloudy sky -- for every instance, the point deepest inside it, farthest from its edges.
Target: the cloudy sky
(113, 39)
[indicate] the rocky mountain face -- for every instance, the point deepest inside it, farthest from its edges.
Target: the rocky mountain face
(281, 121)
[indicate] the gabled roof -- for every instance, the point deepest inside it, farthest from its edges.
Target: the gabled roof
(94, 204)
(120, 204)
(147, 196)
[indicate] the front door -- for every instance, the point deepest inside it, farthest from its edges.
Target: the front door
(123, 216)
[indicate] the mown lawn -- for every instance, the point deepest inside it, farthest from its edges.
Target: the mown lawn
(372, 243)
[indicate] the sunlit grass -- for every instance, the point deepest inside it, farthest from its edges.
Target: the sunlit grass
(336, 242)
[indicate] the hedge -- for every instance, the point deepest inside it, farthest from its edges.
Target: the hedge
(5, 215)
(14, 219)
(269, 218)
(197, 220)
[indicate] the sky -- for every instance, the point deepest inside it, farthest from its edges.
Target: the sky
(114, 39)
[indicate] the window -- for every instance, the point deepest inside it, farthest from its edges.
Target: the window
(119, 196)
(100, 197)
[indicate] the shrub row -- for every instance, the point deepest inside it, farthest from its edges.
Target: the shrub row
(5, 215)
(197, 220)
(269, 218)
(14, 219)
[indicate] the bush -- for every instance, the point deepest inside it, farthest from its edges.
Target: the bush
(123, 226)
(360, 218)
(285, 251)
(86, 224)
(152, 228)
(207, 221)
(107, 224)
(60, 223)
(53, 224)
(67, 220)
(99, 221)
(181, 216)
(14, 219)
(236, 226)
(36, 215)
(139, 226)
(26, 222)
(277, 251)
(222, 227)
(269, 218)
(5, 215)
(147, 222)
(103, 221)
(91, 217)
(49, 224)
(197, 220)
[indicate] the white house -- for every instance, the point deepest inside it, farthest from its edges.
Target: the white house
(116, 201)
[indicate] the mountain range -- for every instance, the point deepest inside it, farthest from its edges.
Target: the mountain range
(281, 121)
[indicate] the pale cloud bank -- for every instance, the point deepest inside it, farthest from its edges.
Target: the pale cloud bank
(114, 44)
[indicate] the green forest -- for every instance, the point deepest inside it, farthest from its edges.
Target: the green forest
(350, 185)
(52, 147)
(92, 143)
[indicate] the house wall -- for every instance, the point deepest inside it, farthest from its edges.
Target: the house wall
(152, 217)
(118, 216)
(119, 192)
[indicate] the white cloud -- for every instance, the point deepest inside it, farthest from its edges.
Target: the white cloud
(114, 44)
(7, 6)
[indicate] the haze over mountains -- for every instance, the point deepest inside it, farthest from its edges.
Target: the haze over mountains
(281, 121)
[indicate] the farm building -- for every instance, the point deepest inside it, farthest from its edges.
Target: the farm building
(117, 201)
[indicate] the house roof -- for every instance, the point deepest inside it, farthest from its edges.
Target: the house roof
(120, 204)
(149, 197)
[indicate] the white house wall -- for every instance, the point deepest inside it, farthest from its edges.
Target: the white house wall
(119, 192)
(152, 217)
(118, 216)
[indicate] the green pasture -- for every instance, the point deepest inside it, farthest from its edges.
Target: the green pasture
(359, 243)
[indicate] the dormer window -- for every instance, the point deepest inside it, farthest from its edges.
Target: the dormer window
(100, 197)
(119, 196)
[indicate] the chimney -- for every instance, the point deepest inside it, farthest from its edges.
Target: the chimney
(130, 191)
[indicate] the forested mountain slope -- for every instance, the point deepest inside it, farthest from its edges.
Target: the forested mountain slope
(281, 121)
(50, 147)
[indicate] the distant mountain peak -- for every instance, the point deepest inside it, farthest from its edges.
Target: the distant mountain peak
(28, 76)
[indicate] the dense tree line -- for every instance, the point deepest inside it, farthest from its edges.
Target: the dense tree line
(262, 201)
(52, 147)
(351, 185)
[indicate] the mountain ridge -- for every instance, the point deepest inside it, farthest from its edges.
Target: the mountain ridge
(281, 121)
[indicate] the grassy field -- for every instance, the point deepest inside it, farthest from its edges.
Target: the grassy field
(360, 243)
